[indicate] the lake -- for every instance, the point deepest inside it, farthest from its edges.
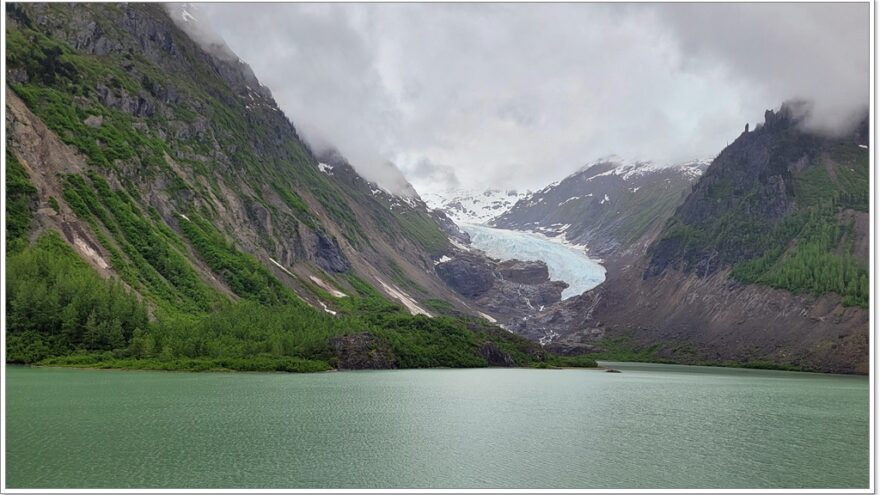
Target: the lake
(651, 426)
(565, 262)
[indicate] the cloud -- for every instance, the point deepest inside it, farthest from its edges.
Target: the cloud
(813, 51)
(518, 95)
(443, 177)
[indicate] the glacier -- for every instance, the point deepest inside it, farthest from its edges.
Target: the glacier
(564, 262)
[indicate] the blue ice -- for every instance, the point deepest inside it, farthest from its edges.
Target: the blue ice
(564, 262)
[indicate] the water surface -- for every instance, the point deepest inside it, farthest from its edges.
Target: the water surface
(652, 426)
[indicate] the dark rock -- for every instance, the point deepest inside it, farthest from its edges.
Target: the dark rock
(495, 356)
(329, 256)
(449, 227)
(363, 351)
(524, 272)
(467, 274)
(612, 370)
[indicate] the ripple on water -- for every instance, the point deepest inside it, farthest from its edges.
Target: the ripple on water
(648, 427)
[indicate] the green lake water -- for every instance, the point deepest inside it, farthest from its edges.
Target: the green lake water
(652, 426)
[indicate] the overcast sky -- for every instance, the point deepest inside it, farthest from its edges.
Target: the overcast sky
(518, 95)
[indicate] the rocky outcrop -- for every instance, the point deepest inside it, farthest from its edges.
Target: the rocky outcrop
(449, 227)
(328, 255)
(471, 275)
(362, 351)
(495, 356)
(523, 272)
(508, 290)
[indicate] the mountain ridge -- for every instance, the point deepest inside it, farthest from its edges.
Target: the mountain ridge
(173, 174)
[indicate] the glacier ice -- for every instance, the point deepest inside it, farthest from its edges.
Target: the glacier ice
(564, 262)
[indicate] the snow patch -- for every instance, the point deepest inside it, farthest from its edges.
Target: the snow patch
(325, 168)
(326, 309)
(487, 317)
(184, 217)
(863, 146)
(443, 259)
(285, 270)
(329, 288)
(407, 301)
(90, 253)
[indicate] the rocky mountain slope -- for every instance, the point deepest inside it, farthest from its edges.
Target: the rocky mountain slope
(607, 205)
(763, 264)
(170, 170)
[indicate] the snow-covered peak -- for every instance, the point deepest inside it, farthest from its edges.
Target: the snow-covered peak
(474, 207)
(627, 170)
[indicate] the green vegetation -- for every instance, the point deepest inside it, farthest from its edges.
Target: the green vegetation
(21, 197)
(141, 252)
(61, 312)
(812, 264)
(424, 231)
(809, 250)
(246, 276)
(56, 303)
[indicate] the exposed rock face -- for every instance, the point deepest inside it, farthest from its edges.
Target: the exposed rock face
(509, 290)
(450, 227)
(495, 356)
(328, 255)
(692, 319)
(468, 274)
(524, 272)
(362, 352)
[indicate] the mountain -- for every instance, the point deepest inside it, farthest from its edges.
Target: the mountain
(606, 205)
(476, 207)
(165, 213)
(764, 263)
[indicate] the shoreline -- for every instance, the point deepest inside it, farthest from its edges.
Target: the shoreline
(334, 370)
(600, 367)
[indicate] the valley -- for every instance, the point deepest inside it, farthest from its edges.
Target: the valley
(438, 246)
(190, 207)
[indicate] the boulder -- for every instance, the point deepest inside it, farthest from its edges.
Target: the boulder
(362, 351)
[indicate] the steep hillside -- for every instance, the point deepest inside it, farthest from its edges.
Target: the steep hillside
(606, 205)
(171, 172)
(764, 263)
